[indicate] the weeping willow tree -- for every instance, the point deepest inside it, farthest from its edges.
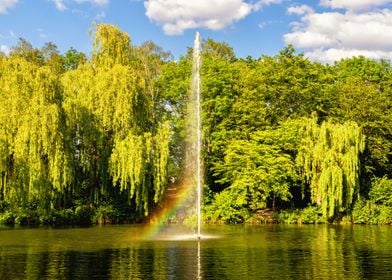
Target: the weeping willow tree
(329, 160)
(110, 109)
(34, 159)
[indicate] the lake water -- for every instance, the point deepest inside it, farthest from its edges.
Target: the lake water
(227, 252)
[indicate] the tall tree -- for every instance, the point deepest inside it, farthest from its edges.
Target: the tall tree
(329, 156)
(110, 109)
(35, 161)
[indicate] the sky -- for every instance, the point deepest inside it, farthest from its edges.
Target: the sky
(323, 30)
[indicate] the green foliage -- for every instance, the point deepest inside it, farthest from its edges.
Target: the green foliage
(366, 104)
(311, 215)
(95, 140)
(7, 218)
(190, 221)
(78, 135)
(58, 217)
(261, 169)
(329, 160)
(73, 58)
(367, 212)
(288, 216)
(34, 160)
(229, 206)
(108, 103)
(308, 215)
(378, 209)
(381, 191)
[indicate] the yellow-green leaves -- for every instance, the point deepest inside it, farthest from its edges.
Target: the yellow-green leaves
(138, 157)
(111, 46)
(92, 128)
(329, 160)
(109, 105)
(33, 154)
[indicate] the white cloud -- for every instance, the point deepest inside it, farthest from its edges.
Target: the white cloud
(300, 10)
(61, 6)
(176, 16)
(6, 4)
(260, 4)
(343, 34)
(353, 4)
(334, 54)
(5, 49)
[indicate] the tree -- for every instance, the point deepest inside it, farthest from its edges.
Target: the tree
(173, 85)
(52, 57)
(72, 59)
(329, 157)
(363, 95)
(34, 159)
(109, 108)
(261, 170)
(294, 86)
(25, 49)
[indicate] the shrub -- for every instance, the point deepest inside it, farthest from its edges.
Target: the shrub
(106, 215)
(288, 217)
(367, 212)
(3, 206)
(228, 207)
(381, 191)
(83, 215)
(311, 215)
(385, 215)
(7, 218)
(26, 217)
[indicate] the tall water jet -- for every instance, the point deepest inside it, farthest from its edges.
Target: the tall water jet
(196, 73)
(183, 196)
(193, 169)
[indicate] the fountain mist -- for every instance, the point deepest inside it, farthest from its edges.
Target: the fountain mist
(193, 169)
(196, 74)
(182, 196)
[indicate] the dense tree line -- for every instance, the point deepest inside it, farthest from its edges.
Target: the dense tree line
(96, 138)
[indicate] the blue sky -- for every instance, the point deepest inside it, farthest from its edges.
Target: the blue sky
(325, 30)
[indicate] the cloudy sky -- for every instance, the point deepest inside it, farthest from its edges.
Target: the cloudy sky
(324, 30)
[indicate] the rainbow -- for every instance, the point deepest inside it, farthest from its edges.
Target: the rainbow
(159, 216)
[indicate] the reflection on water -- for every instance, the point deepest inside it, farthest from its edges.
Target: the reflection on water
(241, 252)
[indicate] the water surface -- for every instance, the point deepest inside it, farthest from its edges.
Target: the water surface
(235, 252)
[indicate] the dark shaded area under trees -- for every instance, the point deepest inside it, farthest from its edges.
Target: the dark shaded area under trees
(86, 140)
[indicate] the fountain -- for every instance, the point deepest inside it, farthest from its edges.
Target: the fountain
(196, 90)
(183, 198)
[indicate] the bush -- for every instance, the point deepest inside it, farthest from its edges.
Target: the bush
(381, 191)
(367, 212)
(361, 212)
(228, 207)
(385, 216)
(22, 219)
(308, 215)
(311, 215)
(190, 221)
(3, 206)
(83, 215)
(288, 217)
(26, 217)
(106, 215)
(7, 218)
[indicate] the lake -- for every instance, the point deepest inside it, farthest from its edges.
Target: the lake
(226, 252)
